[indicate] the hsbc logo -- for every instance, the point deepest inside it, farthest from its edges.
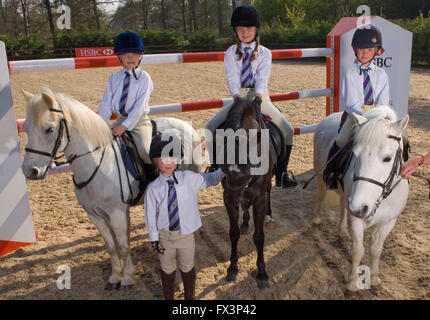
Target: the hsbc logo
(94, 52)
(382, 62)
(108, 52)
(380, 52)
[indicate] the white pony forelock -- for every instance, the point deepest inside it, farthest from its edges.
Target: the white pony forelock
(375, 131)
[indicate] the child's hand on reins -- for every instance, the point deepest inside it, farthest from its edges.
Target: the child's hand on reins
(119, 130)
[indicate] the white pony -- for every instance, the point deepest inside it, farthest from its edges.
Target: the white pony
(57, 123)
(374, 193)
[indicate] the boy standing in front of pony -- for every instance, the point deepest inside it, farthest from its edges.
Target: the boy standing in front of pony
(172, 214)
(128, 92)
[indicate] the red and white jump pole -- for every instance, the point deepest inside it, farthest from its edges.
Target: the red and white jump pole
(219, 103)
(169, 58)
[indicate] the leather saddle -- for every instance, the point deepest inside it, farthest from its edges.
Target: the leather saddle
(144, 173)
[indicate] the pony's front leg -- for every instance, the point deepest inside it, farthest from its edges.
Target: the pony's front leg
(343, 221)
(321, 192)
(120, 225)
(357, 252)
(376, 245)
(100, 221)
(233, 215)
(259, 212)
(244, 228)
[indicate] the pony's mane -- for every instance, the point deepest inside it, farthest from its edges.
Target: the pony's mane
(88, 123)
(236, 113)
(375, 131)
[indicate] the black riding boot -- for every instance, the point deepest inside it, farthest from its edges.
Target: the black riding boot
(168, 282)
(330, 169)
(189, 279)
(281, 172)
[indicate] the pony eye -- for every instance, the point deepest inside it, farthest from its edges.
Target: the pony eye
(49, 130)
(387, 159)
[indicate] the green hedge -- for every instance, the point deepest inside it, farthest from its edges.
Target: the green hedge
(420, 27)
(279, 35)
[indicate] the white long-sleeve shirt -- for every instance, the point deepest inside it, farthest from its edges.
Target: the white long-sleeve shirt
(261, 68)
(352, 91)
(139, 92)
(156, 195)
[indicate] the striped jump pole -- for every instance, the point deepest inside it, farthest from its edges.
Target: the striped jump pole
(219, 103)
(147, 59)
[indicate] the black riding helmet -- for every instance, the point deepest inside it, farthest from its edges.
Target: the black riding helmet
(166, 145)
(245, 16)
(367, 38)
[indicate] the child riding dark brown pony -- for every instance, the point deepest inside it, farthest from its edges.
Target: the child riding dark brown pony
(248, 176)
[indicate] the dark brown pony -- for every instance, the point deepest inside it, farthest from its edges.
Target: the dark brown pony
(241, 188)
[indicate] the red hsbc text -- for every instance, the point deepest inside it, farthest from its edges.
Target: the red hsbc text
(94, 52)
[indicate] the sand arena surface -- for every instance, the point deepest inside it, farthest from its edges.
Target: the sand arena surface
(302, 263)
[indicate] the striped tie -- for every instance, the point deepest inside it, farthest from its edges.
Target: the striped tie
(172, 206)
(124, 94)
(367, 87)
(246, 79)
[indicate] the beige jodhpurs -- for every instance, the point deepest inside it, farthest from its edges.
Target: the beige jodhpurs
(180, 251)
(142, 136)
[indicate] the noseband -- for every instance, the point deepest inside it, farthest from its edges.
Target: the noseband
(387, 186)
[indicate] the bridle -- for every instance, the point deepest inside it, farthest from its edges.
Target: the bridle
(387, 186)
(53, 154)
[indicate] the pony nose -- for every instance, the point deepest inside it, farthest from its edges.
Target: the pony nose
(32, 173)
(360, 212)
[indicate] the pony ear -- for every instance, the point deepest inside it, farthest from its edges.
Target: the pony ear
(400, 125)
(359, 120)
(48, 100)
(27, 95)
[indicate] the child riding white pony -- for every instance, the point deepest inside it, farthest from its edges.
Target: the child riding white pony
(374, 193)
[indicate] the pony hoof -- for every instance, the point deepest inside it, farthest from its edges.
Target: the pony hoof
(262, 284)
(113, 286)
(244, 229)
(127, 288)
(351, 294)
(376, 290)
(231, 276)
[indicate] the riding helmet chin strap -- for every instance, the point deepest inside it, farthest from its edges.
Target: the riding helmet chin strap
(136, 67)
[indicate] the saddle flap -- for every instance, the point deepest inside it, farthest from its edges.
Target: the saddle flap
(130, 156)
(343, 160)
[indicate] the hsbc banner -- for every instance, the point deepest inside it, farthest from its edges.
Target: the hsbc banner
(94, 52)
(394, 58)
